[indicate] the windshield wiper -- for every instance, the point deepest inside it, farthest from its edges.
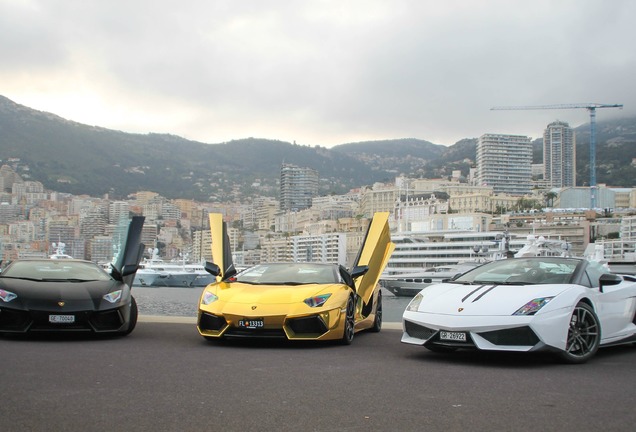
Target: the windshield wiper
(517, 283)
(505, 283)
(78, 280)
(23, 278)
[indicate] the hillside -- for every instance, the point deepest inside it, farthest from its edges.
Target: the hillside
(75, 158)
(71, 157)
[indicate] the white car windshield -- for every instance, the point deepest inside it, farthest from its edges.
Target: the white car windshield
(522, 271)
(290, 274)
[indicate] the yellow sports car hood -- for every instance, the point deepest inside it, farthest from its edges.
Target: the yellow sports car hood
(242, 293)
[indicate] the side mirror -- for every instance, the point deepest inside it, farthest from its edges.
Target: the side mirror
(359, 271)
(212, 268)
(608, 279)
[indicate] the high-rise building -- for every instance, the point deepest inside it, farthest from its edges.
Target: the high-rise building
(504, 163)
(559, 155)
(298, 186)
(117, 210)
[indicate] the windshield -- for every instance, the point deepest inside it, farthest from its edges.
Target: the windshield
(55, 270)
(522, 271)
(290, 274)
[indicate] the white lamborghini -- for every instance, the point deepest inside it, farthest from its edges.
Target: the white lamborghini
(567, 305)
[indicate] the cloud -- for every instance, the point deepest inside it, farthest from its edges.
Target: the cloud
(320, 72)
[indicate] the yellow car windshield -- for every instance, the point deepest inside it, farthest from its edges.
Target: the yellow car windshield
(290, 274)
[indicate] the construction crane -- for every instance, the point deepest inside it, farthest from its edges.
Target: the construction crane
(591, 107)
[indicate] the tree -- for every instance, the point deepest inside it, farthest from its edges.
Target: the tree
(549, 198)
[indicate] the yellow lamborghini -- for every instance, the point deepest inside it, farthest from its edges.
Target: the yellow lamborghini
(296, 300)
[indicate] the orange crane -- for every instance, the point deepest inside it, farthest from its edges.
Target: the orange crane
(591, 107)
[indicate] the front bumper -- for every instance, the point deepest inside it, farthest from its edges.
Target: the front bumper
(496, 333)
(324, 325)
(23, 321)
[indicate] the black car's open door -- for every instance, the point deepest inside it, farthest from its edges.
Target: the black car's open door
(130, 251)
(221, 250)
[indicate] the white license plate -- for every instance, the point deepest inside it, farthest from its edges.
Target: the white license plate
(253, 323)
(452, 336)
(62, 319)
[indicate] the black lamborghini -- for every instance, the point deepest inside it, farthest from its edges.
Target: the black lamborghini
(71, 295)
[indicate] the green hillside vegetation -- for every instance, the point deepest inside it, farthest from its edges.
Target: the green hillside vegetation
(71, 157)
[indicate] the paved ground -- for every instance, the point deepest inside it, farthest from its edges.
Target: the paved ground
(165, 377)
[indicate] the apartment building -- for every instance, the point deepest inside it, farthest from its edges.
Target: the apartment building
(298, 186)
(559, 155)
(504, 163)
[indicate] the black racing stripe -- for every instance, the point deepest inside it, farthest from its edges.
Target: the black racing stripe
(484, 293)
(472, 292)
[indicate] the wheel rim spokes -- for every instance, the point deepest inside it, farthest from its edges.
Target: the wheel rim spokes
(349, 320)
(582, 334)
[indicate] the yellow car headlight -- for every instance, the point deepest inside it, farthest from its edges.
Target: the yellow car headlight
(208, 297)
(317, 301)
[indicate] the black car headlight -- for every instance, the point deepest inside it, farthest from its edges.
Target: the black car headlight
(113, 297)
(7, 296)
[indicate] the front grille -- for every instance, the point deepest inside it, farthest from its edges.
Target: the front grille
(418, 331)
(14, 320)
(307, 325)
(109, 320)
(41, 322)
(255, 333)
(514, 336)
(211, 322)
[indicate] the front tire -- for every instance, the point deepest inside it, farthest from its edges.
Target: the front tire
(377, 321)
(350, 323)
(134, 313)
(584, 335)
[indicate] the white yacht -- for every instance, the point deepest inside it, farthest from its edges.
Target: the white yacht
(424, 259)
(59, 251)
(155, 272)
(619, 254)
(409, 284)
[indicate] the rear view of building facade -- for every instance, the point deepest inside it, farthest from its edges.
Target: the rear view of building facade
(504, 162)
(559, 155)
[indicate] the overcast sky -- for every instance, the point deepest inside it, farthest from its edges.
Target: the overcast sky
(319, 72)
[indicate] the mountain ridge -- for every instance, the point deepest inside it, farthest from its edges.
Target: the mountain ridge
(71, 157)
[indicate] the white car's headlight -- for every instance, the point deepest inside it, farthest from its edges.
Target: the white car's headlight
(316, 301)
(415, 303)
(113, 297)
(7, 296)
(208, 297)
(533, 306)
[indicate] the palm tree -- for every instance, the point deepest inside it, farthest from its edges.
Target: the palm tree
(549, 198)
